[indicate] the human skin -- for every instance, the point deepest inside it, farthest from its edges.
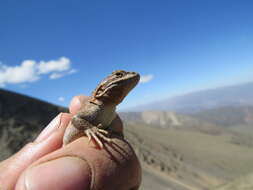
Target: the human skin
(45, 164)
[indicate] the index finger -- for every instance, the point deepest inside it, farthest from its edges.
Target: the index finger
(76, 103)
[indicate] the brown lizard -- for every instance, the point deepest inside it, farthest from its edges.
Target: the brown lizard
(96, 115)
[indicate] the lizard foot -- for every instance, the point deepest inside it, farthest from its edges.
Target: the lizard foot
(97, 133)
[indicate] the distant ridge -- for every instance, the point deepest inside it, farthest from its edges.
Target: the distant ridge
(235, 95)
(227, 116)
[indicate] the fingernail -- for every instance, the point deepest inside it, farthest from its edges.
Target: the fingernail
(62, 173)
(50, 128)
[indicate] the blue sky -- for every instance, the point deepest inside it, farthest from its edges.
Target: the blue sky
(54, 50)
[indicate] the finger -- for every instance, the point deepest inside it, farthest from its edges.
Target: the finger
(76, 103)
(80, 165)
(48, 141)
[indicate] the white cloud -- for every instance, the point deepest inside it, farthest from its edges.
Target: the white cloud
(146, 78)
(26, 72)
(72, 71)
(62, 64)
(30, 71)
(62, 74)
(61, 99)
(56, 75)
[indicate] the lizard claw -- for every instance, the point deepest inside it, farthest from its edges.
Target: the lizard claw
(87, 132)
(96, 134)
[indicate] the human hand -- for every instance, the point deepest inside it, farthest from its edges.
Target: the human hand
(45, 164)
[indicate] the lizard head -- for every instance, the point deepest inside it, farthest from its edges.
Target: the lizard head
(114, 88)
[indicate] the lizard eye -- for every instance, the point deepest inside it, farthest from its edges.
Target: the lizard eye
(119, 74)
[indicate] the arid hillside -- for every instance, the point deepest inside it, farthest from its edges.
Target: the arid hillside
(21, 119)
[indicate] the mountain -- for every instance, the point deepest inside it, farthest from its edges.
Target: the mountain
(227, 116)
(170, 120)
(236, 95)
(21, 119)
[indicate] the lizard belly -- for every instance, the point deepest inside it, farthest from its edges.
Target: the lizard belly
(105, 117)
(94, 115)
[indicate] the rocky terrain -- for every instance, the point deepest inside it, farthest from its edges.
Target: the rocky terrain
(177, 151)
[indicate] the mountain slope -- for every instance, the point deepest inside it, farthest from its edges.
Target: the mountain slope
(198, 160)
(242, 183)
(21, 119)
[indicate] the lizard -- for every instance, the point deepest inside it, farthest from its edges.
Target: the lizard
(95, 116)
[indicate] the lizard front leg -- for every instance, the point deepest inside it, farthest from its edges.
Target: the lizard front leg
(80, 127)
(75, 129)
(96, 132)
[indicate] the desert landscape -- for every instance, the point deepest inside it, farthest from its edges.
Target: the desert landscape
(211, 149)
